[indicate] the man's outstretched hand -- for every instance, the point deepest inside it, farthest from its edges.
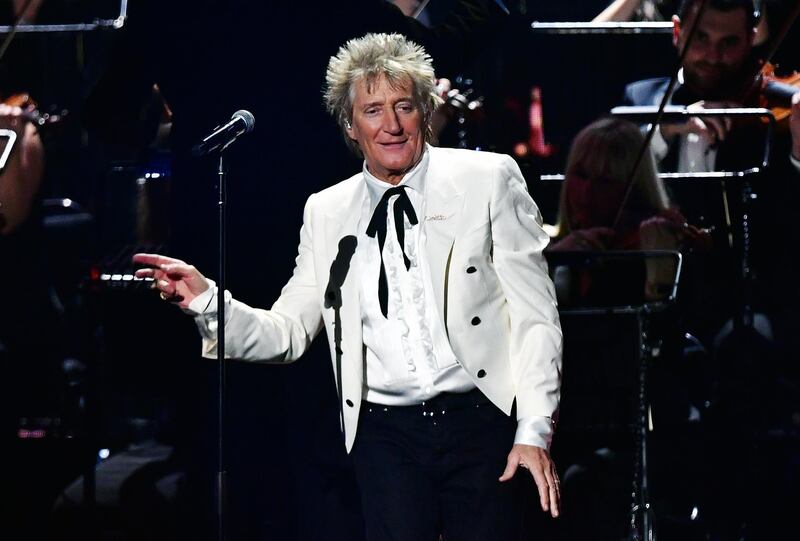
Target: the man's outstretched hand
(177, 281)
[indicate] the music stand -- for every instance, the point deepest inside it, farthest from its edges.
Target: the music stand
(586, 289)
(744, 317)
(114, 23)
(679, 113)
(654, 27)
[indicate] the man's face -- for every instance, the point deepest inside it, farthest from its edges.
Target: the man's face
(388, 128)
(714, 63)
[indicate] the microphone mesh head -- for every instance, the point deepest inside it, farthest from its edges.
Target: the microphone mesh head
(249, 119)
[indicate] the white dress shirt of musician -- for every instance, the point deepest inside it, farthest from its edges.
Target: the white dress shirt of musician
(712, 69)
(475, 306)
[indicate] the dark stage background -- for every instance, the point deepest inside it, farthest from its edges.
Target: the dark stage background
(130, 378)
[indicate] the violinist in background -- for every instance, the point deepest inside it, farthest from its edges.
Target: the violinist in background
(715, 71)
(718, 71)
(28, 317)
(592, 217)
(751, 319)
(30, 338)
(22, 176)
(598, 167)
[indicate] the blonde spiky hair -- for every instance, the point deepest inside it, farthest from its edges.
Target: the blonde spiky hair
(376, 56)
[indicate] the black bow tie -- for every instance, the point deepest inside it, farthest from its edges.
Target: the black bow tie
(378, 225)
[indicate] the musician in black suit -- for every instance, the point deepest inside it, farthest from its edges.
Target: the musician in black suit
(751, 351)
(715, 73)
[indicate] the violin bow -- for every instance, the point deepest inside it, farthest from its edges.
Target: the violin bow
(659, 114)
(14, 25)
(420, 8)
(11, 135)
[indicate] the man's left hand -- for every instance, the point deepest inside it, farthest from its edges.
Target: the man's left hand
(538, 462)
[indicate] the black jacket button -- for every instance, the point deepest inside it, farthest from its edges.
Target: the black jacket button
(349, 402)
(476, 320)
(470, 270)
(481, 373)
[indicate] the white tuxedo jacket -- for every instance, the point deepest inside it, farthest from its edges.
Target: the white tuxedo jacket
(484, 247)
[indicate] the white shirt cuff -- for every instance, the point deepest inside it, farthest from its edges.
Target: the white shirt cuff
(659, 145)
(204, 303)
(535, 430)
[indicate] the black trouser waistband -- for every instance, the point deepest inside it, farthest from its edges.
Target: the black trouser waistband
(440, 403)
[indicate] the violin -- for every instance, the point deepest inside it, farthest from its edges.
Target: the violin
(776, 92)
(458, 103)
(462, 107)
(31, 111)
(686, 236)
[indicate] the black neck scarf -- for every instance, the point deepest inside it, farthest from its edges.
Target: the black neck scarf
(378, 225)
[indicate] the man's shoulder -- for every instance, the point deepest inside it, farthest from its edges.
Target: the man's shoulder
(475, 172)
(646, 91)
(459, 158)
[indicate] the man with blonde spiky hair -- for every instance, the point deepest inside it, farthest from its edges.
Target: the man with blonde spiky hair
(448, 348)
(373, 57)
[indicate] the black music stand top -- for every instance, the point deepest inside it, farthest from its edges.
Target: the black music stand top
(596, 282)
(74, 16)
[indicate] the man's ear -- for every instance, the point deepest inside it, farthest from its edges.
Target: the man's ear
(676, 30)
(348, 128)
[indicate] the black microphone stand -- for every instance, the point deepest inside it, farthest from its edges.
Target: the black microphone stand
(241, 122)
(221, 481)
(333, 299)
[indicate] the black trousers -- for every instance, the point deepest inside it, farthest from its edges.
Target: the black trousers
(430, 470)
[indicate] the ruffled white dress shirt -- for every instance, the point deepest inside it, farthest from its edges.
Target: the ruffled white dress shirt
(408, 356)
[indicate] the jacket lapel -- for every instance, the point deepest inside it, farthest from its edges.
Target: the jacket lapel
(340, 222)
(443, 204)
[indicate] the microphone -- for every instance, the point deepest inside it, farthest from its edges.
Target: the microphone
(240, 123)
(339, 268)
